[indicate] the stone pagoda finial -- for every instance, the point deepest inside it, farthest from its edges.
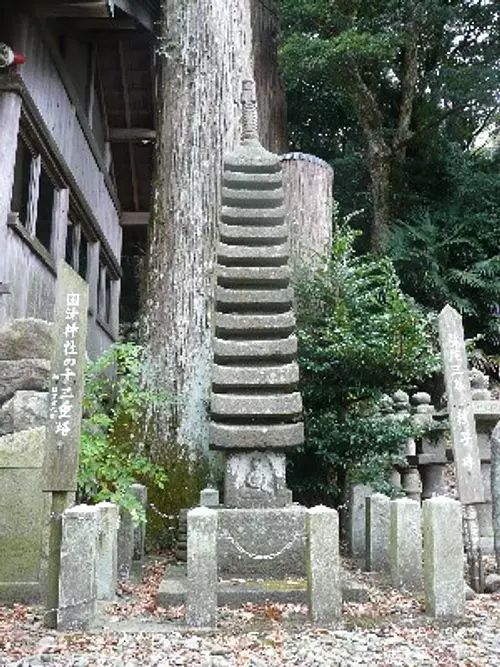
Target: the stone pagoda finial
(250, 120)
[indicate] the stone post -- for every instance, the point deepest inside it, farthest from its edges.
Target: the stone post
(443, 558)
(107, 546)
(125, 544)
(201, 595)
(357, 535)
(141, 493)
(406, 544)
(378, 533)
(209, 497)
(77, 581)
(323, 564)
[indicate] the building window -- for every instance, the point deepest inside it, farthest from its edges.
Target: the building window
(77, 248)
(104, 292)
(33, 193)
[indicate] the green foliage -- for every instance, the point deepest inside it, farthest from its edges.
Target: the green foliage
(447, 249)
(113, 452)
(359, 337)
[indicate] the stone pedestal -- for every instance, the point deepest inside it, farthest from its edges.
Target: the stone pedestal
(323, 564)
(201, 594)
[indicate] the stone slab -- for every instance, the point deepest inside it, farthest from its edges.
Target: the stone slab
(24, 449)
(25, 410)
(253, 233)
(252, 255)
(26, 339)
(239, 197)
(272, 436)
(226, 351)
(248, 298)
(23, 374)
(252, 181)
(261, 542)
(323, 564)
(234, 377)
(233, 324)
(236, 592)
(247, 405)
(201, 592)
(232, 276)
(252, 216)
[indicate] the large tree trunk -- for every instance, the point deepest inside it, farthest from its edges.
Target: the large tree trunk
(205, 51)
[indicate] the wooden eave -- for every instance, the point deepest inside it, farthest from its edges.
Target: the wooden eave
(144, 12)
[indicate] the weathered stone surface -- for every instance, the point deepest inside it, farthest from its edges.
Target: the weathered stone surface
(201, 597)
(444, 583)
(25, 410)
(66, 380)
(247, 436)
(492, 583)
(141, 493)
(406, 544)
(252, 216)
(77, 583)
(252, 234)
(239, 299)
(460, 407)
(23, 516)
(357, 519)
(209, 497)
(23, 450)
(272, 276)
(252, 255)
(378, 533)
(26, 339)
(252, 181)
(234, 377)
(323, 564)
(267, 543)
(248, 405)
(284, 349)
(18, 374)
(107, 542)
(256, 479)
(282, 324)
(125, 547)
(252, 198)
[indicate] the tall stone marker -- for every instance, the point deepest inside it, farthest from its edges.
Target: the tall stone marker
(60, 464)
(461, 414)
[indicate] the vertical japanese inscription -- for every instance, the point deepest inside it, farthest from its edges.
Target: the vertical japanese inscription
(461, 415)
(66, 381)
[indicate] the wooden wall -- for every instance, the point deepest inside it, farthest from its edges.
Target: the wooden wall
(52, 110)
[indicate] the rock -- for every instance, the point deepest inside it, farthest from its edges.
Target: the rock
(25, 410)
(470, 594)
(28, 374)
(492, 583)
(26, 339)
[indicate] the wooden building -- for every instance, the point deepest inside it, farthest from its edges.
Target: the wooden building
(77, 129)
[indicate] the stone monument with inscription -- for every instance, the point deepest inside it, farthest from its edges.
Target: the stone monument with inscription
(463, 434)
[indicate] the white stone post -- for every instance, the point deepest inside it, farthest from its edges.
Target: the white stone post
(378, 533)
(406, 544)
(77, 581)
(443, 558)
(201, 594)
(107, 545)
(323, 564)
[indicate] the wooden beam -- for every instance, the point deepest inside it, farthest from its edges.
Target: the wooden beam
(89, 9)
(141, 134)
(135, 9)
(134, 218)
(128, 120)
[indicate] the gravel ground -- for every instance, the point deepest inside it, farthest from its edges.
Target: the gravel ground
(390, 629)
